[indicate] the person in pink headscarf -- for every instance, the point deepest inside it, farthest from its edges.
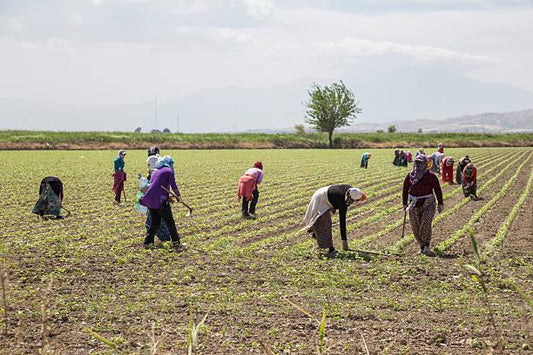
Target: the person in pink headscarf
(247, 189)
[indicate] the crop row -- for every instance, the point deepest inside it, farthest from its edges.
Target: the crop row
(356, 214)
(292, 234)
(445, 244)
(400, 245)
(494, 243)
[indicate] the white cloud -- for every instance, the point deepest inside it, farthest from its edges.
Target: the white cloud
(221, 34)
(15, 24)
(75, 18)
(258, 9)
(354, 47)
(185, 7)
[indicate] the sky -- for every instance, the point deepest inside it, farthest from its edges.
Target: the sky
(127, 52)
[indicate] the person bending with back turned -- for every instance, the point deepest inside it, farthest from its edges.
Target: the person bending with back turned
(247, 189)
(318, 215)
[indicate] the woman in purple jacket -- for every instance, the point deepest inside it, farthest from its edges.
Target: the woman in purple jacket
(157, 201)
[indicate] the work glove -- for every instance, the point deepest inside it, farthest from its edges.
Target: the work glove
(345, 245)
(440, 208)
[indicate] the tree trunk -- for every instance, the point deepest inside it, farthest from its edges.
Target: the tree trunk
(330, 135)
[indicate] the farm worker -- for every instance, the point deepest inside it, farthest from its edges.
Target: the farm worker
(318, 215)
(409, 157)
(464, 161)
(440, 148)
(403, 158)
(437, 159)
(470, 181)
(50, 198)
(420, 151)
(418, 200)
(447, 170)
(396, 161)
(364, 160)
(157, 201)
(163, 234)
(247, 189)
(153, 157)
(119, 176)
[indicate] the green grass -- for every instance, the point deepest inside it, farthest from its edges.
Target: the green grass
(52, 139)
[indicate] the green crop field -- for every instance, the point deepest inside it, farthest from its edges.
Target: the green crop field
(85, 284)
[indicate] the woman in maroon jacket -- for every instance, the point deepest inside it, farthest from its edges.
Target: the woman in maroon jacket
(418, 188)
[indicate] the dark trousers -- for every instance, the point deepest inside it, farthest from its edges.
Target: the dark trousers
(253, 203)
(164, 213)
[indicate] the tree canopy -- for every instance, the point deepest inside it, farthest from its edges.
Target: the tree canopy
(331, 107)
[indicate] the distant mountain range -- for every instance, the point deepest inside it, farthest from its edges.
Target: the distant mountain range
(410, 97)
(490, 122)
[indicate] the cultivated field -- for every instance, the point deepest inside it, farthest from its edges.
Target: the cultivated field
(84, 284)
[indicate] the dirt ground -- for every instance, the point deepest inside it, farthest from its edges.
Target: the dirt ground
(83, 285)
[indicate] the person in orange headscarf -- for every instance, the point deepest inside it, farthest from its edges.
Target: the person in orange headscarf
(247, 189)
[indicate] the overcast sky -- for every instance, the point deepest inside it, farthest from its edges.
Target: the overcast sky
(130, 51)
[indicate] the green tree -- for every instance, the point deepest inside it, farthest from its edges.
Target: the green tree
(331, 107)
(391, 129)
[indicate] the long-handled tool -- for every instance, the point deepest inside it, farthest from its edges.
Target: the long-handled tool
(403, 227)
(124, 191)
(189, 212)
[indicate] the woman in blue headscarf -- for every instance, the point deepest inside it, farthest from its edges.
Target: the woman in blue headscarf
(156, 199)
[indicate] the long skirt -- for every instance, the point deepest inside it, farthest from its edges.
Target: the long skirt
(48, 204)
(321, 230)
(469, 190)
(118, 183)
(420, 219)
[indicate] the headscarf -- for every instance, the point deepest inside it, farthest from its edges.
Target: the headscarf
(121, 153)
(419, 169)
(449, 161)
(469, 169)
(258, 164)
(356, 194)
(165, 161)
(153, 151)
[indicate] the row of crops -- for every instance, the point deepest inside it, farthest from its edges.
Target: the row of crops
(102, 280)
(208, 182)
